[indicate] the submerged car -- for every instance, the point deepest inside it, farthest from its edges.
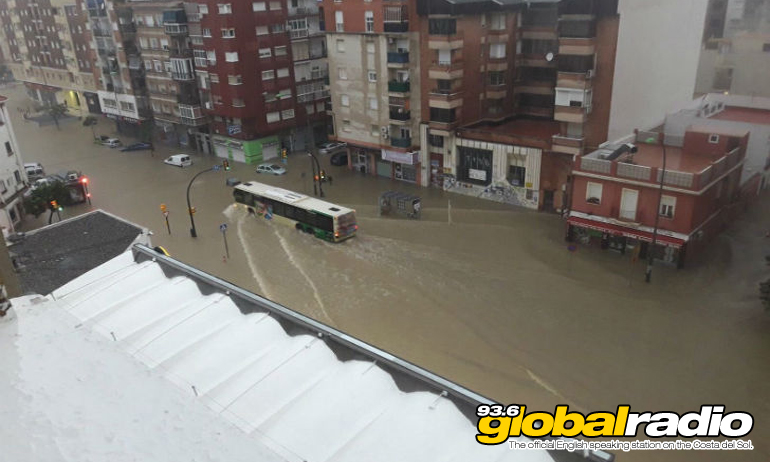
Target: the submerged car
(328, 148)
(137, 147)
(340, 158)
(111, 142)
(271, 168)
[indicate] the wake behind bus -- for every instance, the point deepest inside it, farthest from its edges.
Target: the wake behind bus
(325, 220)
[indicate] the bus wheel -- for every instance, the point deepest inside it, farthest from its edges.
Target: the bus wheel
(308, 230)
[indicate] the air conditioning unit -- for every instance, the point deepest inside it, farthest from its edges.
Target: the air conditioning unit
(590, 74)
(391, 40)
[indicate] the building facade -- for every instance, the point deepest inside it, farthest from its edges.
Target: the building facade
(13, 178)
(735, 55)
(374, 63)
(47, 46)
(247, 75)
(618, 201)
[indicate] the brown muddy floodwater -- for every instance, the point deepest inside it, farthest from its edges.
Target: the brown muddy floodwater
(493, 301)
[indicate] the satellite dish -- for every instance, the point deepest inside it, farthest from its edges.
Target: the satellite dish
(549, 56)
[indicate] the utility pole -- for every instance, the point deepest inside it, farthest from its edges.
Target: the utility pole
(651, 251)
(190, 209)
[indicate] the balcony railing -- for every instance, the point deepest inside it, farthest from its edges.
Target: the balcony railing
(398, 57)
(183, 76)
(298, 33)
(595, 165)
(401, 142)
(397, 114)
(567, 145)
(176, 29)
(395, 26)
(396, 86)
(193, 121)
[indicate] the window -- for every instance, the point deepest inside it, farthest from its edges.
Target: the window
(283, 72)
(214, 78)
(372, 75)
(273, 117)
(265, 53)
(516, 175)
(154, 44)
(287, 114)
(148, 64)
(373, 104)
(268, 75)
(231, 56)
(340, 45)
(237, 102)
(158, 66)
(278, 28)
(346, 125)
(280, 51)
(442, 26)
(340, 23)
(228, 33)
(497, 21)
(497, 50)
(200, 58)
(275, 6)
(206, 32)
(342, 73)
(369, 19)
(496, 77)
(225, 8)
(234, 80)
(713, 139)
(594, 193)
(284, 94)
(375, 130)
(211, 56)
(126, 106)
(667, 206)
(259, 6)
(8, 148)
(203, 9)
(344, 100)
(262, 30)
(436, 141)
(164, 44)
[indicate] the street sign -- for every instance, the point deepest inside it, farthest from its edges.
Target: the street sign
(233, 129)
(216, 168)
(165, 214)
(223, 227)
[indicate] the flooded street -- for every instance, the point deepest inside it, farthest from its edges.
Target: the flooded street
(483, 294)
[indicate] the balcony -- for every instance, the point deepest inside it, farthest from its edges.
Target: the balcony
(401, 142)
(400, 114)
(574, 114)
(183, 76)
(175, 29)
(567, 145)
(577, 46)
(537, 111)
(446, 42)
(193, 121)
(398, 57)
(395, 27)
(398, 87)
(303, 11)
(446, 96)
(577, 80)
(127, 28)
(446, 70)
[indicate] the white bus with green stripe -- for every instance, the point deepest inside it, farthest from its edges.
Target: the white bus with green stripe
(325, 220)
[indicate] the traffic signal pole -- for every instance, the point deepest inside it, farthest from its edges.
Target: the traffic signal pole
(194, 233)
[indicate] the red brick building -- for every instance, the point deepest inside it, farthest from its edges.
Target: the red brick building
(618, 201)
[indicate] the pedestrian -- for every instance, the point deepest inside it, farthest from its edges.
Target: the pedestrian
(330, 180)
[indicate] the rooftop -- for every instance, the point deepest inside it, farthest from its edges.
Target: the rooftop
(743, 114)
(514, 130)
(49, 257)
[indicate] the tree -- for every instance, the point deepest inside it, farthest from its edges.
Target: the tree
(57, 111)
(764, 288)
(40, 199)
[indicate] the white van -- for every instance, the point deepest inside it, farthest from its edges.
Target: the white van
(34, 171)
(179, 160)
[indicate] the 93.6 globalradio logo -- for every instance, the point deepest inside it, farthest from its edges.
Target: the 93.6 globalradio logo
(498, 422)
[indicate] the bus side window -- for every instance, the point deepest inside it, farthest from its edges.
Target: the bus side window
(279, 208)
(325, 222)
(290, 211)
(240, 196)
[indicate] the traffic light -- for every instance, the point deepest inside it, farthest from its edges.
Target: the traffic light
(84, 180)
(163, 208)
(192, 210)
(323, 175)
(226, 164)
(316, 178)
(54, 205)
(284, 153)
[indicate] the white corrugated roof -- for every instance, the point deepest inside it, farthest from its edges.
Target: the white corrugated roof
(289, 394)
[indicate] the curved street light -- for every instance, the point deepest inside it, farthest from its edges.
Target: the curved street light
(318, 168)
(193, 233)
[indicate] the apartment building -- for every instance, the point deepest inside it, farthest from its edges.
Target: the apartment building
(46, 44)
(618, 201)
(374, 65)
(122, 90)
(735, 57)
(259, 95)
(13, 179)
(162, 36)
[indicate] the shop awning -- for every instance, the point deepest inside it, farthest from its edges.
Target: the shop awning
(617, 230)
(409, 158)
(41, 87)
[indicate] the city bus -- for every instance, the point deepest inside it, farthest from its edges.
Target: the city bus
(326, 221)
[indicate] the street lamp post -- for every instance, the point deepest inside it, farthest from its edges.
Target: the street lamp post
(651, 251)
(193, 233)
(318, 168)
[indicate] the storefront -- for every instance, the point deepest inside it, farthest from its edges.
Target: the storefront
(398, 165)
(669, 247)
